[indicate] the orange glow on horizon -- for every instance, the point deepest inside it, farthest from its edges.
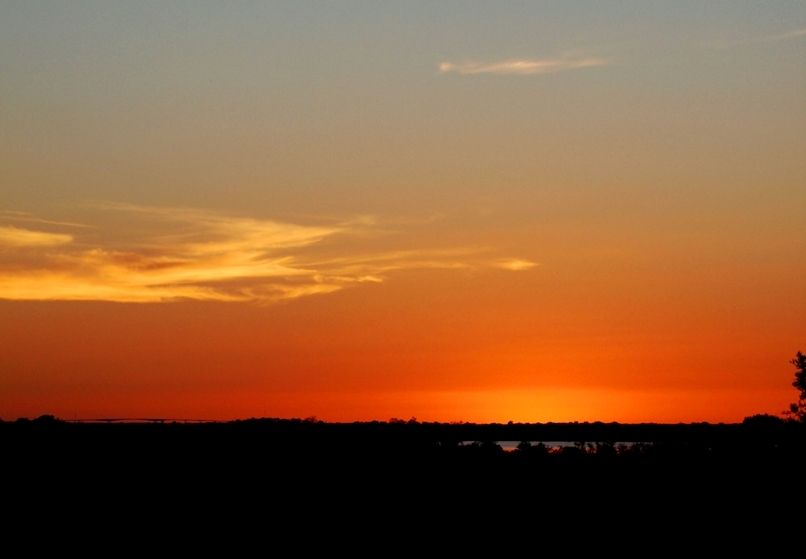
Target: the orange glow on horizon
(516, 212)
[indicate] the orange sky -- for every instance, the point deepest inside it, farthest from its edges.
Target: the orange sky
(513, 212)
(426, 344)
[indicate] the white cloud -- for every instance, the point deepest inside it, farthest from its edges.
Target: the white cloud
(191, 254)
(521, 67)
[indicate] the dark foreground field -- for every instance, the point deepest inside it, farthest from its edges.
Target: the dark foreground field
(272, 475)
(344, 484)
(313, 453)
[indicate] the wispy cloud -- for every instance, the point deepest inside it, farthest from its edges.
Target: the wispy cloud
(773, 38)
(522, 66)
(795, 34)
(16, 237)
(28, 218)
(191, 254)
(514, 264)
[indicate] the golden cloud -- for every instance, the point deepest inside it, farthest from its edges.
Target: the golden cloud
(190, 254)
(16, 237)
(514, 264)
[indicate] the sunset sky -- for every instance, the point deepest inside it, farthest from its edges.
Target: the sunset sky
(481, 211)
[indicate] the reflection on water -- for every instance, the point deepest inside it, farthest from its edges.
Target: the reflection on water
(509, 446)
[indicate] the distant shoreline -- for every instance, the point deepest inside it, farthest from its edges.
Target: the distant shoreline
(763, 427)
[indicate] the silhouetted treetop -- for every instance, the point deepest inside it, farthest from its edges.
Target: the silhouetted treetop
(798, 409)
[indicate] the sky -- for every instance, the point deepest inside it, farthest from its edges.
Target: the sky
(454, 211)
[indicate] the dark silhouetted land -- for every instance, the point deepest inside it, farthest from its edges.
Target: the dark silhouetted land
(316, 447)
(289, 466)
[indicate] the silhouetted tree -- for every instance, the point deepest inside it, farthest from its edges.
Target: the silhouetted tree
(798, 409)
(762, 420)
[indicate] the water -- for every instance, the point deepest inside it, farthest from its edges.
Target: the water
(509, 446)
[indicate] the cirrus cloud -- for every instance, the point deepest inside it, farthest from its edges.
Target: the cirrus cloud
(522, 66)
(17, 237)
(192, 254)
(514, 264)
(779, 37)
